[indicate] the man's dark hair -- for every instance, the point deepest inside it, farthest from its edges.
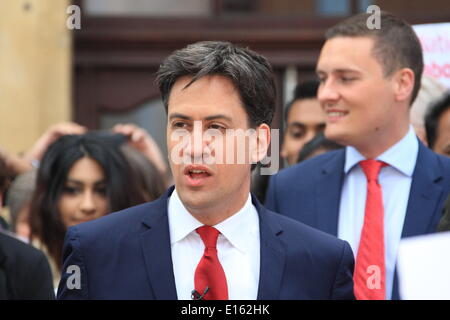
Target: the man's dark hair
(317, 143)
(303, 90)
(250, 73)
(396, 44)
(432, 118)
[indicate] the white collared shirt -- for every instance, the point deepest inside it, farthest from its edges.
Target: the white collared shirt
(238, 248)
(395, 181)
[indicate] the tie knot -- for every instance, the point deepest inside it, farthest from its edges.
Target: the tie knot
(209, 236)
(371, 168)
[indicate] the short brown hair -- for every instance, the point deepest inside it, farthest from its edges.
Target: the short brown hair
(396, 44)
(249, 71)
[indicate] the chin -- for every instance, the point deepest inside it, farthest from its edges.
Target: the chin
(195, 199)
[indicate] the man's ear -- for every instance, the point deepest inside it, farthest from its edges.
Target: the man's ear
(404, 84)
(262, 143)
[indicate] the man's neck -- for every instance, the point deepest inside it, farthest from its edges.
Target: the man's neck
(382, 143)
(214, 215)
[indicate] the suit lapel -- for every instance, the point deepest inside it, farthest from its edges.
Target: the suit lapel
(155, 242)
(423, 200)
(273, 255)
(424, 195)
(328, 193)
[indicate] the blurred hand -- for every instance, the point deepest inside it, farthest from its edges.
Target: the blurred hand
(51, 135)
(15, 165)
(140, 139)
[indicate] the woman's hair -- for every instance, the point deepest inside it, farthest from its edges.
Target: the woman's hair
(122, 188)
(150, 180)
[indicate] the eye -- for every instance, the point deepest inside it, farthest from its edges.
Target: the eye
(179, 124)
(216, 126)
(101, 190)
(296, 132)
(347, 79)
(71, 190)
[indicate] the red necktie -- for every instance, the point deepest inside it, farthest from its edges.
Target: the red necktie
(209, 273)
(370, 270)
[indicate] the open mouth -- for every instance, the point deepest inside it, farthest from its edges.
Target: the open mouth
(197, 175)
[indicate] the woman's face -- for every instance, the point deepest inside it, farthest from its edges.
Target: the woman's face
(83, 196)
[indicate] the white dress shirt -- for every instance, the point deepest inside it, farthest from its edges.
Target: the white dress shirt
(395, 181)
(238, 248)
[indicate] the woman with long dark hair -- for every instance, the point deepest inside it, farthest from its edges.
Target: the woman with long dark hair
(81, 178)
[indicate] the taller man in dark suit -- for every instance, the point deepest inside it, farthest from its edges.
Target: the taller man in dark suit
(208, 238)
(385, 184)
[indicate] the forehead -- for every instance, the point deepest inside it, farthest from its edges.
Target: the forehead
(444, 121)
(348, 53)
(207, 95)
(86, 169)
(306, 109)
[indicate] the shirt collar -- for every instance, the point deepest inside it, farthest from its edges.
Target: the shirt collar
(402, 156)
(181, 222)
(235, 229)
(239, 226)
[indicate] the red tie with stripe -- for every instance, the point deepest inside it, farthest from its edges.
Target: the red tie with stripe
(209, 278)
(370, 270)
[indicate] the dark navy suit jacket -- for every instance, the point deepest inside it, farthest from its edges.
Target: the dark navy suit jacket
(127, 255)
(310, 192)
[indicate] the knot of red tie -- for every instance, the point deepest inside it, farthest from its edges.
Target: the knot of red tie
(209, 236)
(372, 168)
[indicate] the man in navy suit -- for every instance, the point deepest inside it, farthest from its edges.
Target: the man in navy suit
(369, 79)
(207, 237)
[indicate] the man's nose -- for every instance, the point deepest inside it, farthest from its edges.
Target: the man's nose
(327, 92)
(197, 145)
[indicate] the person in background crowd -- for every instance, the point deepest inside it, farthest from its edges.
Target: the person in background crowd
(385, 184)
(20, 165)
(81, 178)
(437, 125)
(24, 270)
(304, 119)
(430, 91)
(18, 202)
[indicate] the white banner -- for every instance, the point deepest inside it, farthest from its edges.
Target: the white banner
(435, 39)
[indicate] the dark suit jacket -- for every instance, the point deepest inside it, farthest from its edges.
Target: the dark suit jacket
(310, 192)
(127, 255)
(24, 271)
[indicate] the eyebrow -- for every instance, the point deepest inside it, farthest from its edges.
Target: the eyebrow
(78, 182)
(213, 117)
(296, 123)
(342, 70)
